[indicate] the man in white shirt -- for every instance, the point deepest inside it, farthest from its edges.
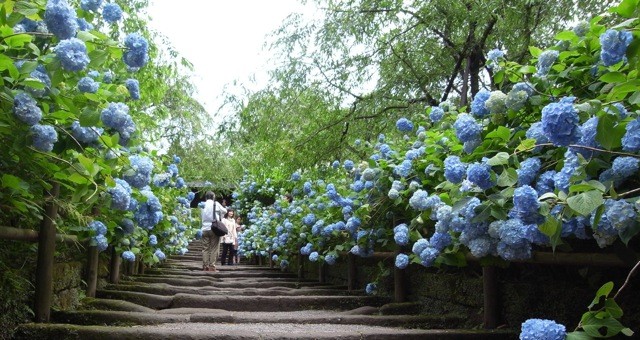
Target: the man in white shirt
(210, 242)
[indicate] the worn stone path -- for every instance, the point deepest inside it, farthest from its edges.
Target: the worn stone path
(180, 301)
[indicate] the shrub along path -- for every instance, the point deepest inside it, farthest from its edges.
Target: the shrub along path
(180, 301)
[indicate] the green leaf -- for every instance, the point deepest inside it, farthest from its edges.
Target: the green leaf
(603, 291)
(526, 144)
(535, 52)
(609, 133)
(500, 133)
(508, 178)
(626, 8)
(611, 306)
(592, 325)
(613, 77)
(566, 35)
(501, 158)
(77, 178)
(586, 202)
(629, 232)
(578, 336)
(11, 182)
(89, 117)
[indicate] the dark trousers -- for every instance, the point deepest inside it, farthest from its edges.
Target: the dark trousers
(227, 253)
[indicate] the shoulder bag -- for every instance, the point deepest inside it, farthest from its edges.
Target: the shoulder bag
(218, 227)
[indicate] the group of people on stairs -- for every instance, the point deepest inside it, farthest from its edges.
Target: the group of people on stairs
(211, 242)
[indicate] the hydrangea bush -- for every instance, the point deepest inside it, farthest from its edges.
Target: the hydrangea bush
(74, 87)
(528, 166)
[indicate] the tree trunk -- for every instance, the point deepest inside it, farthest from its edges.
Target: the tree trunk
(114, 273)
(490, 294)
(46, 252)
(92, 271)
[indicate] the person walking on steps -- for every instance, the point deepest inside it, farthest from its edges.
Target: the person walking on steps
(210, 242)
(229, 240)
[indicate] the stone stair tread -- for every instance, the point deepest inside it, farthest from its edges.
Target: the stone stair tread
(167, 289)
(249, 331)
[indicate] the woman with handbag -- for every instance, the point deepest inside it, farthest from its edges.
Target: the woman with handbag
(211, 242)
(229, 240)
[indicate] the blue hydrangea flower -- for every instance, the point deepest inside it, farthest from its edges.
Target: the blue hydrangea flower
(560, 123)
(40, 73)
(180, 183)
(128, 256)
(116, 116)
(420, 246)
(528, 171)
(439, 240)
(401, 238)
(26, 109)
(98, 227)
(539, 329)
(148, 213)
(514, 252)
(620, 214)
(495, 54)
(631, 138)
(393, 194)
(371, 288)
(581, 28)
(72, 54)
(526, 205)
(142, 167)
(120, 195)
(330, 259)
(162, 180)
(83, 25)
(402, 261)
(87, 84)
(454, 169)
(535, 132)
(562, 178)
(100, 242)
(160, 255)
(545, 61)
(467, 128)
(436, 114)
(335, 164)
(588, 132)
(153, 240)
(136, 52)
(348, 165)
(516, 100)
(477, 105)
(134, 88)
(111, 12)
(614, 46)
(419, 200)
(44, 136)
(60, 18)
(428, 256)
(624, 167)
(481, 246)
(108, 76)
(618, 109)
(403, 169)
(173, 169)
(295, 176)
(480, 175)
(404, 125)
(90, 5)
(313, 257)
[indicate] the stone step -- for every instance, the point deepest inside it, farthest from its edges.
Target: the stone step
(115, 318)
(204, 282)
(221, 272)
(167, 289)
(198, 331)
(243, 303)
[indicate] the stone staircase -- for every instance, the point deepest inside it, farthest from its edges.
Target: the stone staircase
(180, 301)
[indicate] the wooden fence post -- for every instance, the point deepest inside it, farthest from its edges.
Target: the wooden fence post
(399, 281)
(352, 274)
(92, 271)
(271, 264)
(490, 293)
(300, 264)
(141, 267)
(322, 272)
(114, 273)
(46, 251)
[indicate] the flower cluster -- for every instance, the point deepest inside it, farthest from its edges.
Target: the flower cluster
(61, 19)
(116, 116)
(614, 46)
(136, 53)
(73, 55)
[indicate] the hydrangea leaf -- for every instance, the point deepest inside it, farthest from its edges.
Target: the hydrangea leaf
(603, 291)
(586, 202)
(626, 8)
(592, 325)
(89, 117)
(500, 133)
(578, 336)
(526, 144)
(566, 35)
(629, 232)
(609, 133)
(613, 77)
(508, 178)
(501, 158)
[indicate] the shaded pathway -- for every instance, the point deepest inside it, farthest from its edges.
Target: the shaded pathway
(180, 301)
